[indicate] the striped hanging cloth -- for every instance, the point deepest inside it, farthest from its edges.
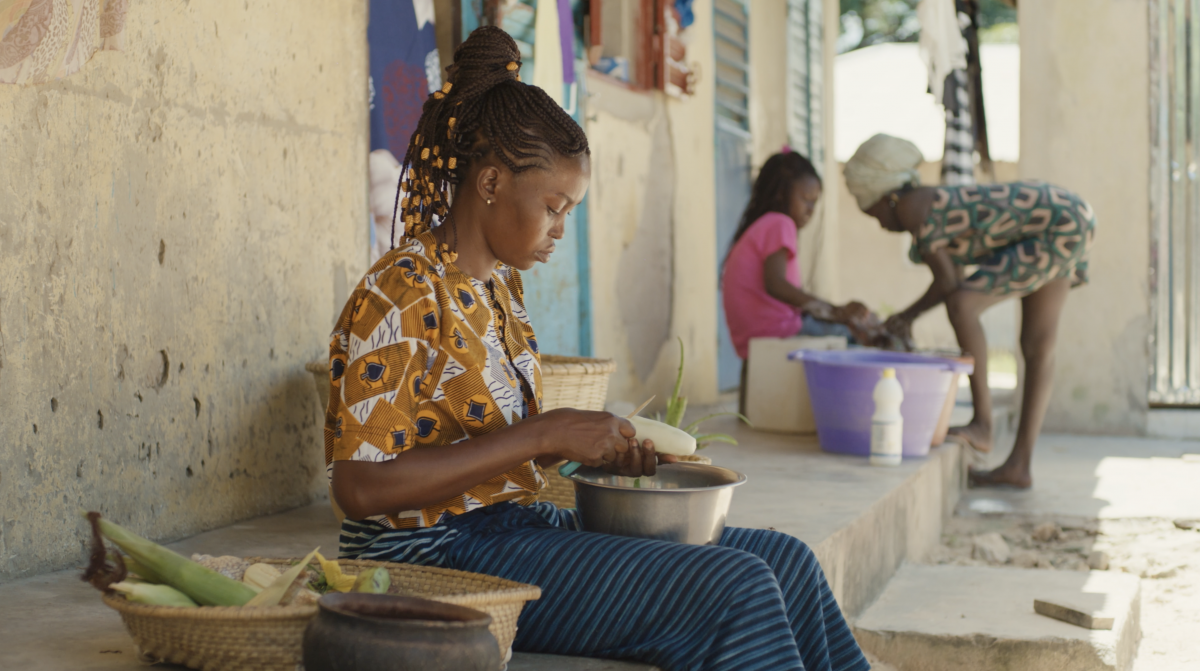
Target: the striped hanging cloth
(958, 157)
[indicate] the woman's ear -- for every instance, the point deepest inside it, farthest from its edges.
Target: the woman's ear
(486, 183)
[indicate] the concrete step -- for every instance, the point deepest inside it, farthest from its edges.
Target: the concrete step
(947, 618)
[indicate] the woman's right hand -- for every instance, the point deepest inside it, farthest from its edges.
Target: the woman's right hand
(587, 436)
(899, 325)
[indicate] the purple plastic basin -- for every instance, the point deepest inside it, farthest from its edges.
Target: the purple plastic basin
(841, 384)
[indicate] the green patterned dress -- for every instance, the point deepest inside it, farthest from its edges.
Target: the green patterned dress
(1019, 236)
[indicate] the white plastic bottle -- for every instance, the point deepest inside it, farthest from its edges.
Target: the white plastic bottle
(887, 424)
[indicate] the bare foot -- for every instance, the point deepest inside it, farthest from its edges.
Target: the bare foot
(1005, 476)
(972, 435)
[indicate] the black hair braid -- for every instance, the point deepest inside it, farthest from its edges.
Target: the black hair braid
(773, 188)
(483, 108)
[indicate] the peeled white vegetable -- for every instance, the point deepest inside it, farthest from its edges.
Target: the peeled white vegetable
(666, 438)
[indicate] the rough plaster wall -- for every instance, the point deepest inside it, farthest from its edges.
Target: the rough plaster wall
(624, 129)
(644, 271)
(178, 224)
(1085, 126)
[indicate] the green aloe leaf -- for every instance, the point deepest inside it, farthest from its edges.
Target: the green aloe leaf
(692, 427)
(715, 438)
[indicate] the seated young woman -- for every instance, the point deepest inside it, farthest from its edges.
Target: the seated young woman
(435, 439)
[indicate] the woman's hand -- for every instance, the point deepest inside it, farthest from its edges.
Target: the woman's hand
(638, 460)
(900, 326)
(587, 436)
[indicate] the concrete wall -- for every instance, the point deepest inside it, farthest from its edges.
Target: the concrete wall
(652, 230)
(1085, 126)
(179, 224)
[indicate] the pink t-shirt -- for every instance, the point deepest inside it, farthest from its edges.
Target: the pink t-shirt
(749, 311)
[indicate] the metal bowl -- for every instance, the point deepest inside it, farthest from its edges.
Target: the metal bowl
(684, 503)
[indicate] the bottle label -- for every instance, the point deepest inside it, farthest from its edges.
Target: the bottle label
(887, 442)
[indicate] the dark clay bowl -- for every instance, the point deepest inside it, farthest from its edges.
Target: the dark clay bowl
(382, 632)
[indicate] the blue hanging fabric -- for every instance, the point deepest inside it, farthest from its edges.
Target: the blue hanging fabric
(566, 31)
(686, 16)
(405, 69)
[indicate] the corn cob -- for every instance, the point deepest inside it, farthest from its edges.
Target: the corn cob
(205, 586)
(153, 595)
(260, 576)
(283, 587)
(373, 581)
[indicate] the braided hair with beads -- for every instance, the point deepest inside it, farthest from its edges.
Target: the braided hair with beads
(483, 109)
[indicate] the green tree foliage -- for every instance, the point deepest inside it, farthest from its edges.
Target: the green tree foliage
(868, 22)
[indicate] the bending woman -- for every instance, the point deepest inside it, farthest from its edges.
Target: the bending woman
(1027, 240)
(435, 436)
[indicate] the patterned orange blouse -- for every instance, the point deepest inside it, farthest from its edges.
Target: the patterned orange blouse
(425, 355)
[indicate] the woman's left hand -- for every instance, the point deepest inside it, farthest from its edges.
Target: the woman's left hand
(640, 459)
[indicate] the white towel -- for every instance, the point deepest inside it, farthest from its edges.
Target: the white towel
(942, 45)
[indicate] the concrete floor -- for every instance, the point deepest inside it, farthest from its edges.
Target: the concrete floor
(862, 522)
(1101, 477)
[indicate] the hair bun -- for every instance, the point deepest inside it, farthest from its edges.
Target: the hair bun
(487, 55)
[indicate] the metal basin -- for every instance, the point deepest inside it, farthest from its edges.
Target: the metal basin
(684, 503)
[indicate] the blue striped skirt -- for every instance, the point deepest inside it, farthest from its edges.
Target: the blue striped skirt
(759, 600)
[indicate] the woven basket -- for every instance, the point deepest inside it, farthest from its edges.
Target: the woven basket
(218, 638)
(575, 382)
(571, 382)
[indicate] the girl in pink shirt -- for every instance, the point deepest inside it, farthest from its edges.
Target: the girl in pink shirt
(761, 285)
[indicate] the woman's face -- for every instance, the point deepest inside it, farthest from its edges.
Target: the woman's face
(886, 214)
(530, 210)
(802, 201)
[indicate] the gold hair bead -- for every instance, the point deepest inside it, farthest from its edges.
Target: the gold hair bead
(418, 201)
(438, 95)
(453, 162)
(439, 163)
(436, 150)
(425, 154)
(404, 203)
(417, 139)
(453, 257)
(512, 65)
(453, 120)
(446, 87)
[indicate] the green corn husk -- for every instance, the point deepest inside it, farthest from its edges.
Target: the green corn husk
(283, 586)
(146, 574)
(202, 585)
(153, 595)
(373, 581)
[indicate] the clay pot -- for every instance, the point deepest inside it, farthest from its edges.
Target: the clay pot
(381, 632)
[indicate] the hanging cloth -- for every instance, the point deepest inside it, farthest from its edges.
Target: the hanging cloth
(405, 69)
(43, 40)
(548, 51)
(942, 45)
(566, 32)
(958, 154)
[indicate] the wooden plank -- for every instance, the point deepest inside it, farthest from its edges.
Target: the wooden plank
(1070, 615)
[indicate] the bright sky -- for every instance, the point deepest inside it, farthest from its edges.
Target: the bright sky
(882, 89)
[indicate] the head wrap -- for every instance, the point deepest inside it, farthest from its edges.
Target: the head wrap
(881, 165)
